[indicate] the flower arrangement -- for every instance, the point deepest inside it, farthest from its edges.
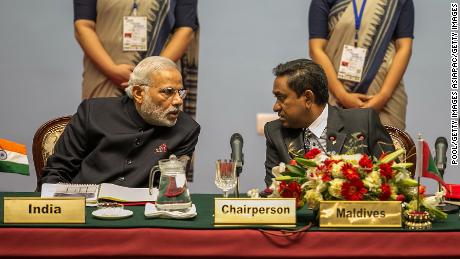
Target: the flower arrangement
(315, 177)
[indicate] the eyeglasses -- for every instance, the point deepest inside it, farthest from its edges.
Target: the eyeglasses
(170, 92)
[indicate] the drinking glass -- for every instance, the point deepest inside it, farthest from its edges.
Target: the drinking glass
(225, 175)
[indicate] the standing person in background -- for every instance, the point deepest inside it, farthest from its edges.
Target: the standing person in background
(116, 34)
(364, 48)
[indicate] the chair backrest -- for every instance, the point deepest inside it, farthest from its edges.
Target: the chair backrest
(44, 140)
(402, 140)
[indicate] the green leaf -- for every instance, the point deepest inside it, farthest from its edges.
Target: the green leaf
(305, 162)
(392, 156)
(291, 174)
(401, 166)
(295, 170)
(408, 182)
(436, 212)
(283, 178)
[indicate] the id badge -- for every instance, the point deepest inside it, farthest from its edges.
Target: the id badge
(352, 63)
(134, 33)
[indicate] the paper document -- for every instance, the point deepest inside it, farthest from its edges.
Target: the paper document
(95, 192)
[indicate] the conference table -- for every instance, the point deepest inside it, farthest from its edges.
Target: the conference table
(139, 237)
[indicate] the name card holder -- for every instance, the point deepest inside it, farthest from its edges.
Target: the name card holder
(43, 210)
(362, 214)
(248, 211)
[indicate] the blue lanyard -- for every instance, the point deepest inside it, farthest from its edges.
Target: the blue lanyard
(134, 8)
(358, 17)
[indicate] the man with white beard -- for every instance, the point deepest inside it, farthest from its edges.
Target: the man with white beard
(119, 139)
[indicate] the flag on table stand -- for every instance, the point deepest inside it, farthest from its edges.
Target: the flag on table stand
(428, 166)
(13, 157)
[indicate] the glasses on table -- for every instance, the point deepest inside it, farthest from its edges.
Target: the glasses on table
(225, 175)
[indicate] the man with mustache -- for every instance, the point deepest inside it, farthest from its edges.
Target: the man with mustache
(306, 120)
(119, 139)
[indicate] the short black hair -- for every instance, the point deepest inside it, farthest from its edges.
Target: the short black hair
(304, 74)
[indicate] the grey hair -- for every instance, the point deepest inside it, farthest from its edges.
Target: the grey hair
(142, 72)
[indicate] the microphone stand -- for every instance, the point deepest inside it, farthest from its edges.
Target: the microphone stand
(441, 171)
(237, 187)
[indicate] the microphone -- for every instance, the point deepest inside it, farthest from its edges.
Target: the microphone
(440, 147)
(236, 143)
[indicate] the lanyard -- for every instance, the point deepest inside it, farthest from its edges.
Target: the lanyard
(134, 8)
(358, 17)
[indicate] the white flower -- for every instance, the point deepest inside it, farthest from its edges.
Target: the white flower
(319, 159)
(337, 170)
(335, 188)
(394, 191)
(313, 198)
(402, 175)
(311, 173)
(315, 184)
(373, 181)
(277, 170)
(434, 201)
(274, 187)
(321, 187)
(311, 184)
(253, 193)
(353, 159)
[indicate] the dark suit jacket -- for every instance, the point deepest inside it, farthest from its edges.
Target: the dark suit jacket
(341, 123)
(107, 141)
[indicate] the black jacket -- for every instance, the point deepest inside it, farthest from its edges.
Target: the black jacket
(107, 141)
(341, 123)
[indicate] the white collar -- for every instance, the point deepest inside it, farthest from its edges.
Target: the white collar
(318, 126)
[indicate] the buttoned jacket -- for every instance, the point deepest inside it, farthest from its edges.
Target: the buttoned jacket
(343, 125)
(107, 141)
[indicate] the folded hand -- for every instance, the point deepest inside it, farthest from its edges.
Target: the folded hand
(376, 102)
(353, 100)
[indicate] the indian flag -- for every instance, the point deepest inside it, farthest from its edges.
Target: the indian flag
(13, 158)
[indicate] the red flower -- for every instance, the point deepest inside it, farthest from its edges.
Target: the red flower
(329, 162)
(366, 163)
(353, 190)
(321, 168)
(386, 192)
(293, 162)
(400, 197)
(312, 153)
(386, 171)
(326, 177)
(291, 190)
(268, 191)
(349, 172)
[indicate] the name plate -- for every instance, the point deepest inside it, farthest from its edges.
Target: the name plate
(363, 214)
(247, 211)
(39, 210)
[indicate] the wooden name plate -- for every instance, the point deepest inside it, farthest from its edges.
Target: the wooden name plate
(43, 210)
(370, 214)
(246, 211)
